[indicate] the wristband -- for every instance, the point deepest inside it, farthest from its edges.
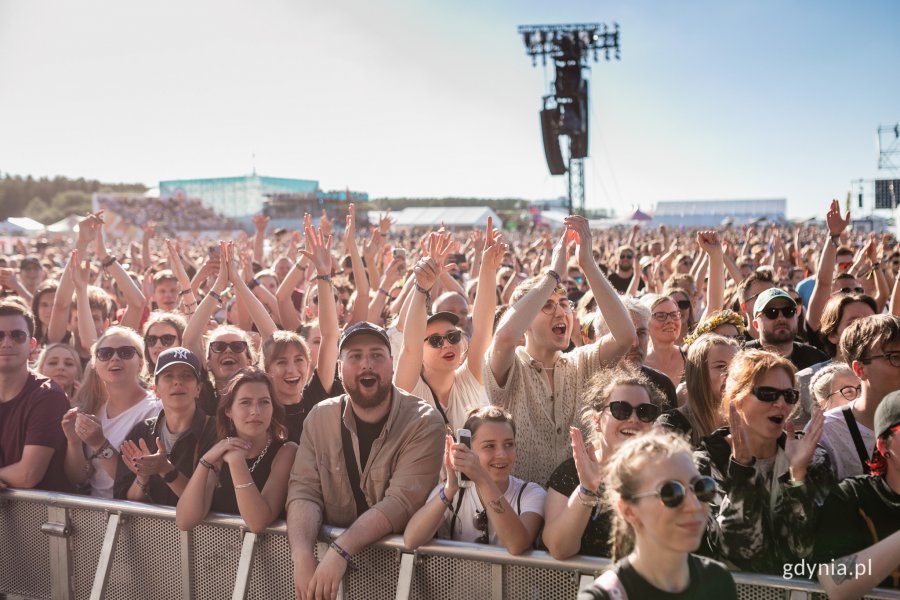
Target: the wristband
(171, 476)
(555, 276)
(383, 291)
(208, 465)
(420, 289)
(184, 292)
(835, 241)
(325, 278)
(443, 496)
(592, 502)
(109, 260)
(587, 492)
(341, 552)
(253, 283)
(215, 295)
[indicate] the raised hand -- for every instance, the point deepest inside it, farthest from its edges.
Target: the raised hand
(451, 486)
(325, 225)
(438, 246)
(560, 257)
(260, 221)
(350, 228)
(318, 250)
(385, 222)
(836, 224)
(590, 472)
(426, 272)
(372, 246)
(393, 273)
(800, 451)
(467, 462)
(88, 228)
(68, 426)
(149, 230)
(709, 242)
(581, 231)
(740, 440)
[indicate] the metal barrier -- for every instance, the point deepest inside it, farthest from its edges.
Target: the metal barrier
(66, 547)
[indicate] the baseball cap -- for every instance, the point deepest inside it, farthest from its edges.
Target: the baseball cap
(444, 315)
(177, 356)
(30, 261)
(364, 328)
(767, 296)
(888, 413)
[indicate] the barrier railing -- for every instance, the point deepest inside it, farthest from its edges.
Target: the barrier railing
(67, 547)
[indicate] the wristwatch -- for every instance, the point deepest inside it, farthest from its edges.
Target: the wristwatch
(105, 451)
(171, 475)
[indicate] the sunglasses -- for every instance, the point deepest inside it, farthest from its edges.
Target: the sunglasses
(16, 335)
(626, 256)
(858, 289)
(684, 304)
(786, 311)
(236, 347)
(672, 493)
(437, 340)
(480, 522)
(167, 339)
(621, 411)
(124, 352)
(662, 317)
(770, 394)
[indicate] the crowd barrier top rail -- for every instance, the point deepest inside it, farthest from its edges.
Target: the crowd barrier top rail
(260, 566)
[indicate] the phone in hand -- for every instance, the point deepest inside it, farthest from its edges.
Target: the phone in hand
(214, 252)
(399, 253)
(464, 436)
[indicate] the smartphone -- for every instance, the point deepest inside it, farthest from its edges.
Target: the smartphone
(214, 252)
(464, 436)
(399, 253)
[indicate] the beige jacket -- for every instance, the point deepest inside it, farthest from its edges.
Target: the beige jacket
(402, 468)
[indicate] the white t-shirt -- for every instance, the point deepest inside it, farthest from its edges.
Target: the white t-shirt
(115, 430)
(465, 395)
(837, 441)
(532, 501)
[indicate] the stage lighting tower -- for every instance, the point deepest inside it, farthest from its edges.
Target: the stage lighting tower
(565, 108)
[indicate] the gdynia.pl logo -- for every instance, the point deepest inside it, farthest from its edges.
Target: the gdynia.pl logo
(835, 569)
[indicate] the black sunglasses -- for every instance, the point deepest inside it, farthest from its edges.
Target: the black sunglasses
(437, 340)
(236, 347)
(167, 339)
(786, 311)
(858, 289)
(124, 352)
(672, 493)
(626, 256)
(621, 411)
(480, 522)
(16, 335)
(684, 304)
(770, 394)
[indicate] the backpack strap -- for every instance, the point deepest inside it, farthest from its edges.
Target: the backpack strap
(459, 499)
(352, 467)
(610, 583)
(857, 438)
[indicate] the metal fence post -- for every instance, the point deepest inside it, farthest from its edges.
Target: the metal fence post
(57, 528)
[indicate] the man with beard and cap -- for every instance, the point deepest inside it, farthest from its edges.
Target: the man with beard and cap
(624, 272)
(775, 318)
(367, 461)
(540, 384)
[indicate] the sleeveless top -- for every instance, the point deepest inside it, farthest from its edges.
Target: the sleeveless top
(224, 498)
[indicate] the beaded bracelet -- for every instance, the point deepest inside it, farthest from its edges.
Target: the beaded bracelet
(341, 552)
(555, 276)
(325, 278)
(587, 492)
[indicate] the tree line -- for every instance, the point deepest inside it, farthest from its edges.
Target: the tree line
(48, 200)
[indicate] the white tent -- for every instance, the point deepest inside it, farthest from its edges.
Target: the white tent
(67, 225)
(21, 225)
(450, 216)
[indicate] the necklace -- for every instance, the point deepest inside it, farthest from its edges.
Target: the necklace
(261, 454)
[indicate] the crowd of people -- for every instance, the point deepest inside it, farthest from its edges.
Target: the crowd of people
(182, 214)
(683, 402)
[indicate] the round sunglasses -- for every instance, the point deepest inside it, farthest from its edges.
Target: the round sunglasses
(437, 340)
(236, 347)
(672, 493)
(124, 352)
(621, 411)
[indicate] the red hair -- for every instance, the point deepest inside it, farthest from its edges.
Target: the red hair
(878, 464)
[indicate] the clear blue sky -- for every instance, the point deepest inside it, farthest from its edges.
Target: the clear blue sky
(711, 99)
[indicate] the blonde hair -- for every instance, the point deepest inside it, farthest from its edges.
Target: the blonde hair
(79, 370)
(623, 479)
(92, 394)
(746, 369)
(703, 414)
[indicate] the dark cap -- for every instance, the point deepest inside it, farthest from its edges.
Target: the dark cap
(767, 296)
(30, 260)
(888, 413)
(177, 356)
(444, 315)
(364, 328)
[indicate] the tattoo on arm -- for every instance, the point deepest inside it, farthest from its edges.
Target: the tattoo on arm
(844, 569)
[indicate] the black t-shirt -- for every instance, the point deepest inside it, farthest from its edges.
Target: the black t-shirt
(802, 356)
(313, 393)
(621, 283)
(208, 400)
(852, 511)
(664, 384)
(367, 433)
(595, 539)
(709, 580)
